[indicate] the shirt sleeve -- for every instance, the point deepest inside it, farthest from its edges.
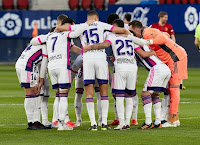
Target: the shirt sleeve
(38, 40)
(74, 27)
(78, 31)
(44, 52)
(197, 32)
(107, 26)
(171, 30)
(108, 38)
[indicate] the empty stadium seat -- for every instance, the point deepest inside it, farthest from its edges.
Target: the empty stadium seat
(7, 4)
(162, 1)
(111, 2)
(184, 1)
(73, 4)
(22, 4)
(177, 1)
(86, 4)
(191, 1)
(169, 1)
(99, 4)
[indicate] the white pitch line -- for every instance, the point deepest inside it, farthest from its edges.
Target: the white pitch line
(95, 103)
(89, 121)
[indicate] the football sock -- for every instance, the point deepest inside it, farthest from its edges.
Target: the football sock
(104, 107)
(29, 105)
(37, 108)
(129, 108)
(120, 109)
(78, 105)
(90, 109)
(157, 109)
(55, 108)
(44, 108)
(147, 105)
(99, 109)
(63, 105)
(165, 107)
(135, 107)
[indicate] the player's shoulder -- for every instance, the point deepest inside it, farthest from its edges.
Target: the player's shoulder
(153, 25)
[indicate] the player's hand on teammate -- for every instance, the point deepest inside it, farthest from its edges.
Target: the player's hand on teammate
(39, 86)
(86, 48)
(153, 52)
(111, 58)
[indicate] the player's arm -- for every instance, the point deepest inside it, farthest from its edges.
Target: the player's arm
(173, 38)
(121, 30)
(76, 49)
(39, 40)
(159, 40)
(138, 41)
(144, 54)
(103, 45)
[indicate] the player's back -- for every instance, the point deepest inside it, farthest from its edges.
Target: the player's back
(30, 56)
(164, 46)
(58, 50)
(123, 50)
(94, 35)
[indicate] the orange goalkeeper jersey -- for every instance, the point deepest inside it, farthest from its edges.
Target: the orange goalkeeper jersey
(166, 49)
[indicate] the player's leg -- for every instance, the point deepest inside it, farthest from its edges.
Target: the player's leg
(55, 109)
(64, 81)
(102, 75)
(118, 85)
(78, 96)
(44, 102)
(135, 110)
(89, 80)
(130, 92)
(99, 109)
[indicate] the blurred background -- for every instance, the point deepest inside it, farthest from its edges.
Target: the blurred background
(18, 17)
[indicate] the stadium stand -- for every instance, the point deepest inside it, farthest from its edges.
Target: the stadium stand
(99, 4)
(74, 4)
(7, 4)
(86, 4)
(128, 2)
(22, 4)
(50, 5)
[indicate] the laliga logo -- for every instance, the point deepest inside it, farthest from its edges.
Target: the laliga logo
(191, 18)
(138, 13)
(10, 24)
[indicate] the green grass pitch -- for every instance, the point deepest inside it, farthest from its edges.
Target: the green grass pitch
(13, 121)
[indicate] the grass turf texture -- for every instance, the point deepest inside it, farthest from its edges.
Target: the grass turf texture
(13, 121)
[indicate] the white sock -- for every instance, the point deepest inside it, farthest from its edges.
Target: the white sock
(63, 105)
(44, 108)
(29, 106)
(129, 108)
(115, 107)
(67, 117)
(99, 109)
(165, 107)
(55, 109)
(157, 109)
(135, 107)
(37, 109)
(90, 109)
(147, 105)
(78, 105)
(120, 109)
(104, 107)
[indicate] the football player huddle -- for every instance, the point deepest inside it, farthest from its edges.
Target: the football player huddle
(130, 43)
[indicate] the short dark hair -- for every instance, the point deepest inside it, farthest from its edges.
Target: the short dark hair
(67, 20)
(92, 13)
(111, 18)
(136, 24)
(128, 17)
(62, 17)
(52, 29)
(119, 23)
(162, 14)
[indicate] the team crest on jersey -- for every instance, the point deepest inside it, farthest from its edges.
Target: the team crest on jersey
(32, 83)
